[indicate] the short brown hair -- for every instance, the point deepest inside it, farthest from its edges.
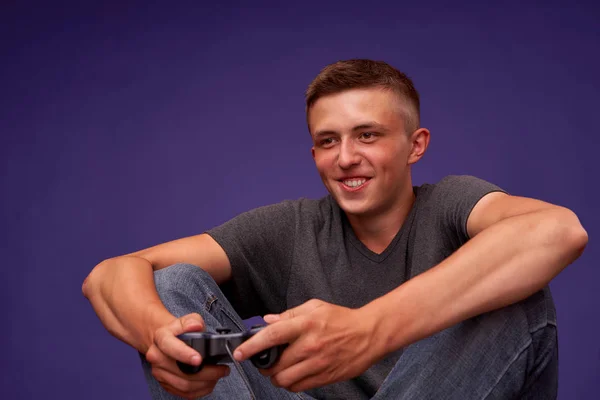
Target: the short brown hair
(363, 73)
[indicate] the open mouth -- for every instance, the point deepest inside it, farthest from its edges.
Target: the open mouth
(354, 184)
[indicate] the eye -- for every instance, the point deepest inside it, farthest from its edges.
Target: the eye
(367, 136)
(326, 142)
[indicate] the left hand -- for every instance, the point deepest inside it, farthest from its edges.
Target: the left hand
(327, 344)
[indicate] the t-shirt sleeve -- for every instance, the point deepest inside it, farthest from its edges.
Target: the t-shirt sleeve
(259, 244)
(457, 195)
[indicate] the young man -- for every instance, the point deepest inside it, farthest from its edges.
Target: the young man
(380, 289)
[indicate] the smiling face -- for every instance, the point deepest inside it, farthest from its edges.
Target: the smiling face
(362, 151)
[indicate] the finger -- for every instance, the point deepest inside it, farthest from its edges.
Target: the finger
(183, 385)
(167, 342)
(187, 395)
(188, 323)
(299, 375)
(190, 395)
(212, 372)
(308, 383)
(293, 354)
(207, 373)
(272, 335)
(302, 309)
(271, 318)
(173, 348)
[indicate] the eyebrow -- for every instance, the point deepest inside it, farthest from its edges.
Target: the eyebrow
(360, 127)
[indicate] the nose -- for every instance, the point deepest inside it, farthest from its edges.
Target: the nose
(348, 156)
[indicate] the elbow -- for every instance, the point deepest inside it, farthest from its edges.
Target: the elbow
(579, 240)
(88, 282)
(573, 236)
(85, 287)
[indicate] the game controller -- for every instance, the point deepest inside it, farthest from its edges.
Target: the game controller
(215, 348)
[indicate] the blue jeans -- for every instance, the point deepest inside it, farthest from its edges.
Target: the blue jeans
(511, 353)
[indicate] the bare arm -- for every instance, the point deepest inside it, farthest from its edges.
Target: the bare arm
(122, 291)
(518, 246)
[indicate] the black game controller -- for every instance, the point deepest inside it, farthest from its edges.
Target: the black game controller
(213, 347)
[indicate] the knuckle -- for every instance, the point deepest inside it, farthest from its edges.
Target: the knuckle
(305, 324)
(332, 376)
(203, 391)
(276, 381)
(321, 363)
(185, 386)
(181, 385)
(195, 315)
(171, 390)
(313, 346)
(318, 345)
(321, 324)
(315, 302)
(273, 335)
(226, 371)
(295, 388)
(211, 387)
(156, 374)
(162, 340)
(152, 354)
(159, 337)
(309, 324)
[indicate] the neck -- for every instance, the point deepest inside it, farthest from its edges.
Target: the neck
(377, 231)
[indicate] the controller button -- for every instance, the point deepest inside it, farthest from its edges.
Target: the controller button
(223, 330)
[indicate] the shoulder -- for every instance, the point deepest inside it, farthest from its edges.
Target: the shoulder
(457, 187)
(289, 209)
(462, 182)
(452, 199)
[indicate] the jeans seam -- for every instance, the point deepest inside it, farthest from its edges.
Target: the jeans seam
(517, 355)
(232, 319)
(542, 325)
(547, 350)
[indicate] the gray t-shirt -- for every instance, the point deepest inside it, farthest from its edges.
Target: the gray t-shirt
(285, 254)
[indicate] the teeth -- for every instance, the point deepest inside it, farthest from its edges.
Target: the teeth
(354, 182)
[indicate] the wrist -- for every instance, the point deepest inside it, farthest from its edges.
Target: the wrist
(396, 319)
(373, 318)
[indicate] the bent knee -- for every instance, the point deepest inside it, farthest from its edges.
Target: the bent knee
(182, 278)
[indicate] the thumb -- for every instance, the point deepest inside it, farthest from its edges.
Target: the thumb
(167, 343)
(188, 323)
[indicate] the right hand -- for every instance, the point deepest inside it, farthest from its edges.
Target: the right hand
(167, 348)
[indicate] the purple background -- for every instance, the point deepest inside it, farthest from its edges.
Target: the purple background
(127, 126)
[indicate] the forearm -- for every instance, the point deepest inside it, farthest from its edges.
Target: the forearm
(123, 295)
(503, 264)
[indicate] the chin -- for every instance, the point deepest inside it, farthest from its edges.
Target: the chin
(354, 207)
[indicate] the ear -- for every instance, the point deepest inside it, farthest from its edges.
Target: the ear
(419, 141)
(312, 151)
